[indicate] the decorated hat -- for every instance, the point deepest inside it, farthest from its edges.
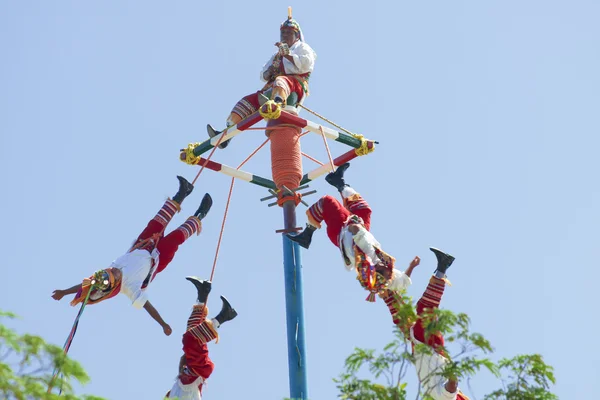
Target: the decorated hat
(291, 23)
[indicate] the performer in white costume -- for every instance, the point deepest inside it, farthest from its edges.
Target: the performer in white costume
(348, 228)
(132, 273)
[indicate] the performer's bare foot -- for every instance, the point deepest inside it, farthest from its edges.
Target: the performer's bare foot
(58, 294)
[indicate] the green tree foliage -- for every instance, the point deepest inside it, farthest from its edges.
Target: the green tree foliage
(27, 363)
(524, 377)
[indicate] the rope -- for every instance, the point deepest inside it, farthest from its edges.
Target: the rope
(327, 147)
(253, 153)
(327, 120)
(364, 149)
(208, 159)
(212, 274)
(286, 157)
(70, 338)
(312, 159)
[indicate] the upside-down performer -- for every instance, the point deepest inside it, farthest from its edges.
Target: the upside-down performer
(430, 365)
(286, 72)
(132, 273)
(348, 228)
(195, 366)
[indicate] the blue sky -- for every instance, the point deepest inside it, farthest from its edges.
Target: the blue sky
(487, 114)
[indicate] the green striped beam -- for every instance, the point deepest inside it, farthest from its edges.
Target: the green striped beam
(326, 168)
(230, 132)
(341, 137)
(238, 174)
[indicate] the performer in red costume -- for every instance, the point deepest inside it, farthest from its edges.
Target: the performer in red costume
(195, 366)
(348, 228)
(286, 72)
(131, 273)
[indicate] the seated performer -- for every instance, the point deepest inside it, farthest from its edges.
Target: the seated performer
(286, 72)
(430, 366)
(348, 228)
(195, 366)
(131, 273)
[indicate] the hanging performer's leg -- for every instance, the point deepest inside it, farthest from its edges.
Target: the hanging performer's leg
(157, 225)
(330, 210)
(196, 366)
(430, 366)
(168, 245)
(431, 300)
(327, 209)
(352, 200)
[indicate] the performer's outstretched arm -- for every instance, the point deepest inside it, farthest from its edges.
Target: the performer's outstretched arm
(156, 316)
(413, 264)
(59, 294)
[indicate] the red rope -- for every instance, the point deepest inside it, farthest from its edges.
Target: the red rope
(253, 153)
(208, 159)
(312, 159)
(212, 274)
(327, 147)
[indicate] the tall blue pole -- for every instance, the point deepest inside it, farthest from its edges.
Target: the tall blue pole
(294, 304)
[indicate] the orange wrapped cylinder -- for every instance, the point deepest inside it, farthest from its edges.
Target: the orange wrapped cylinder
(286, 156)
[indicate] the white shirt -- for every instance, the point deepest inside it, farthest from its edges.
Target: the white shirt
(429, 367)
(135, 267)
(186, 392)
(304, 60)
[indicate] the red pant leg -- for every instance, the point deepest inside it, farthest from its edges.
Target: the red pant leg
(358, 206)
(331, 211)
(196, 354)
(290, 85)
(247, 105)
(167, 248)
(160, 220)
(430, 300)
(152, 228)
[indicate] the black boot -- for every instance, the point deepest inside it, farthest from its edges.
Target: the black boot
(185, 188)
(227, 312)
(203, 288)
(204, 208)
(444, 260)
(212, 133)
(336, 178)
(303, 238)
